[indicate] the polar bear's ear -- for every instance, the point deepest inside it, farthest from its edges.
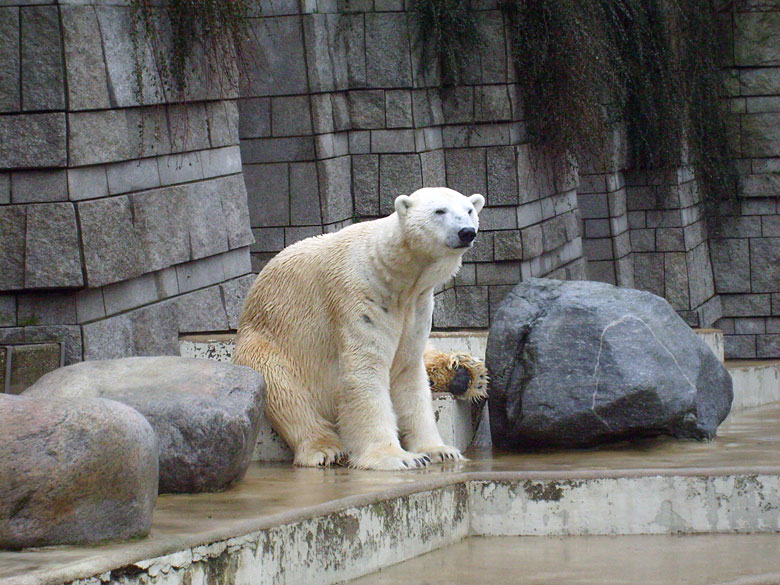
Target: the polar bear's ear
(402, 204)
(478, 201)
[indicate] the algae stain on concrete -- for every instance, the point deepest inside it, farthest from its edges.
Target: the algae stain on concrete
(543, 491)
(669, 519)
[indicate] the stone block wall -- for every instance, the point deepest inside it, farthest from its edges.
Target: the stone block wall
(746, 260)
(606, 239)
(123, 216)
(669, 244)
(646, 231)
(731, 281)
(343, 112)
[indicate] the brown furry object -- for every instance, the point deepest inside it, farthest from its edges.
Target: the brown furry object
(458, 373)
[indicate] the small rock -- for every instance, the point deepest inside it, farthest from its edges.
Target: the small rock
(74, 471)
(206, 414)
(577, 363)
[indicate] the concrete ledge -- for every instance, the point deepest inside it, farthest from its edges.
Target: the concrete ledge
(756, 383)
(707, 559)
(291, 525)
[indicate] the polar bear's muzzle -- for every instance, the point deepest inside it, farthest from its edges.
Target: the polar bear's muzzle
(466, 236)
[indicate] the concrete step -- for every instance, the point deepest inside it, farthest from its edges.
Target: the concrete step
(707, 559)
(286, 525)
(756, 382)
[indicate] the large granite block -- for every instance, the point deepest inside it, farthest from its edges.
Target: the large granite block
(218, 162)
(86, 70)
(767, 346)
(304, 194)
(130, 294)
(759, 81)
(491, 104)
(12, 242)
(111, 246)
(367, 109)
(268, 150)
(387, 50)
(335, 176)
(233, 196)
(700, 275)
(10, 87)
(457, 105)
(254, 117)
(89, 305)
(466, 170)
(201, 310)
(7, 313)
(200, 273)
(398, 108)
(180, 168)
(399, 174)
(43, 75)
(752, 34)
(746, 305)
(462, 306)
(234, 292)
(761, 134)
(280, 71)
(387, 141)
(290, 116)
(649, 273)
(434, 173)
(39, 186)
(109, 338)
(268, 194)
(765, 264)
(502, 188)
(335, 51)
(222, 119)
(100, 137)
(52, 256)
(160, 220)
(676, 281)
(206, 219)
(33, 140)
(188, 124)
(493, 58)
(132, 175)
(365, 184)
(116, 27)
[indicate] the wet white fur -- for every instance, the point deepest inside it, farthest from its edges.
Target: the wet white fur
(338, 323)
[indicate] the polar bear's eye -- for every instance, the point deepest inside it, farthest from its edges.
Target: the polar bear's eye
(441, 211)
(471, 211)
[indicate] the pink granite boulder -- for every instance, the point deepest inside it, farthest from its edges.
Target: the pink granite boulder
(74, 471)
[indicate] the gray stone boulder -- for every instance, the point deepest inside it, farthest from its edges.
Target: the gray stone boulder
(74, 471)
(578, 363)
(206, 414)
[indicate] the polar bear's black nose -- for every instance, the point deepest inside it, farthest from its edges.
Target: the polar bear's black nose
(467, 235)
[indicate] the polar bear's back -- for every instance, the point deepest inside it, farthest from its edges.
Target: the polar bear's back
(301, 294)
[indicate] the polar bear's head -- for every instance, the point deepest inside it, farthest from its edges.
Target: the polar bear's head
(439, 220)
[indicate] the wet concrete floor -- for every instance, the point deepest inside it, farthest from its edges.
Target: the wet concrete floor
(274, 494)
(707, 559)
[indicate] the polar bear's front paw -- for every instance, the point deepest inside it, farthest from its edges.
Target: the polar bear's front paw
(443, 453)
(394, 459)
(320, 455)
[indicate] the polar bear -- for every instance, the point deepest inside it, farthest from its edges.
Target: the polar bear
(337, 324)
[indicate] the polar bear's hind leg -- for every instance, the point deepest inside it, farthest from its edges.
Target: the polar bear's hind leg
(311, 437)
